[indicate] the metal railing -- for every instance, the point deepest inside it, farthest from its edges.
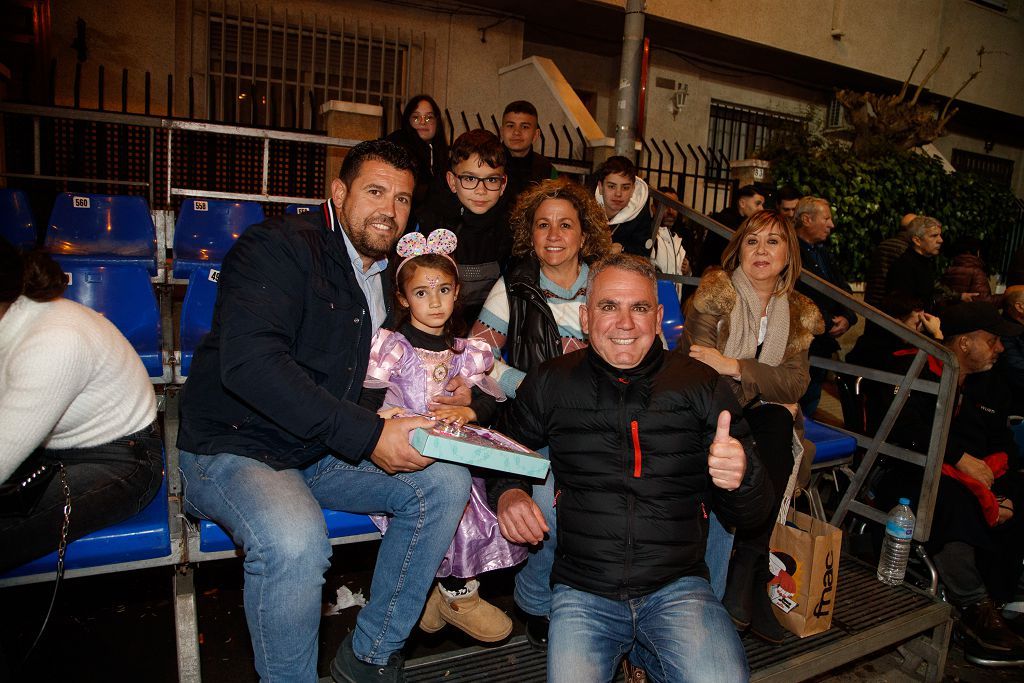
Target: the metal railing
(696, 174)
(566, 148)
(853, 501)
(161, 160)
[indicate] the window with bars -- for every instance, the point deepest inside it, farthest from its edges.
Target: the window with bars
(271, 73)
(996, 169)
(740, 132)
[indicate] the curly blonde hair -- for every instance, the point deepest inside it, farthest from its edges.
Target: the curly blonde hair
(597, 240)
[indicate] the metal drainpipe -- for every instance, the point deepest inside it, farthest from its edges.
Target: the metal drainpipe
(629, 79)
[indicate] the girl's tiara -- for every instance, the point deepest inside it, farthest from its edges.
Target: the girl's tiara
(441, 242)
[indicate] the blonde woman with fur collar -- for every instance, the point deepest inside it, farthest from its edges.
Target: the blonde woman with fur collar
(747, 322)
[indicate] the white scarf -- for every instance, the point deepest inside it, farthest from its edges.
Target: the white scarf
(745, 321)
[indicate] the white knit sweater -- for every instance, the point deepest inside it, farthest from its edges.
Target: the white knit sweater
(68, 379)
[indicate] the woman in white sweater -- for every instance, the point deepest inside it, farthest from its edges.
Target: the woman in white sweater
(74, 396)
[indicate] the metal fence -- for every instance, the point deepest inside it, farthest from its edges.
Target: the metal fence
(566, 148)
(699, 177)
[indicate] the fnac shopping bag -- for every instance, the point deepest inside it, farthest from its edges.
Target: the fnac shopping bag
(804, 560)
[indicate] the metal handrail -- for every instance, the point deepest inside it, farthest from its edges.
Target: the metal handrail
(944, 390)
(37, 113)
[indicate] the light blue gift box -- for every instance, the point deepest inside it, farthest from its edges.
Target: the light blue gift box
(453, 449)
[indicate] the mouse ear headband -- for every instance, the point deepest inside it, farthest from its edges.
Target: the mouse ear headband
(441, 242)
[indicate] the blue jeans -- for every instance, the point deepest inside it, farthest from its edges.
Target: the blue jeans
(676, 634)
(275, 517)
(533, 582)
(717, 554)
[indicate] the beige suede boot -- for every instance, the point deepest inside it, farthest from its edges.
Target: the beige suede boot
(431, 621)
(477, 617)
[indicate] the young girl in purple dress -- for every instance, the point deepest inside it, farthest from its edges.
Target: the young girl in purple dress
(408, 367)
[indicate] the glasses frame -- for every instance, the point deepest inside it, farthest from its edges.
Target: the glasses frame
(471, 182)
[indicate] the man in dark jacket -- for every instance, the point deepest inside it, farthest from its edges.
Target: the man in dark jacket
(643, 445)
(749, 200)
(519, 130)
(882, 258)
(916, 271)
(271, 431)
(813, 224)
(977, 537)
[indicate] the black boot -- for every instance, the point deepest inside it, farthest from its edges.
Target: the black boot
(763, 623)
(983, 623)
(738, 599)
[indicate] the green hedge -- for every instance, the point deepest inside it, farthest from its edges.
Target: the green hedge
(869, 197)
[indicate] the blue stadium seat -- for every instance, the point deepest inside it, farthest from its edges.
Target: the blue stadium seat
(212, 538)
(142, 537)
(672, 322)
(16, 224)
(196, 313)
(207, 229)
(830, 444)
(100, 229)
(298, 208)
(124, 295)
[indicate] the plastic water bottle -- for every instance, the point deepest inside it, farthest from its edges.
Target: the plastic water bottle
(899, 532)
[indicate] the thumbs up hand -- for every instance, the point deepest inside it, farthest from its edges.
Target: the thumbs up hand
(727, 462)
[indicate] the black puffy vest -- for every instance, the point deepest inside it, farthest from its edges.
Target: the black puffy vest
(532, 332)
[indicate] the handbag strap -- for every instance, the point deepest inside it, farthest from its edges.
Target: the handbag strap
(65, 525)
(62, 546)
(787, 497)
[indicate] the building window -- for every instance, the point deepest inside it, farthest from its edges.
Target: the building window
(266, 72)
(996, 169)
(740, 132)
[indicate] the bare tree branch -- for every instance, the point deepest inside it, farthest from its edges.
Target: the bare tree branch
(906, 83)
(920, 87)
(942, 116)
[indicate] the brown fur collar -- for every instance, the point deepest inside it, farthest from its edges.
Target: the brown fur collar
(716, 296)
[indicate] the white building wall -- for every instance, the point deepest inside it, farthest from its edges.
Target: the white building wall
(882, 37)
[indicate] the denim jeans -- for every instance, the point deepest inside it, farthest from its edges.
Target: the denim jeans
(676, 634)
(717, 553)
(275, 517)
(109, 483)
(533, 582)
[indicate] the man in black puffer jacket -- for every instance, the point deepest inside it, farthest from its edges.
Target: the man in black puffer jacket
(642, 450)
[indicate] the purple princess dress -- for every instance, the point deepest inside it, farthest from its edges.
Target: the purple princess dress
(412, 376)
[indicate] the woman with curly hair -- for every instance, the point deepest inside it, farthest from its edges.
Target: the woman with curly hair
(532, 314)
(747, 322)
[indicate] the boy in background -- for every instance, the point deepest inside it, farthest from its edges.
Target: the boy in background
(519, 130)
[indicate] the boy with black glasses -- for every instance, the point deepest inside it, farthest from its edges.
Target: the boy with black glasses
(477, 180)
